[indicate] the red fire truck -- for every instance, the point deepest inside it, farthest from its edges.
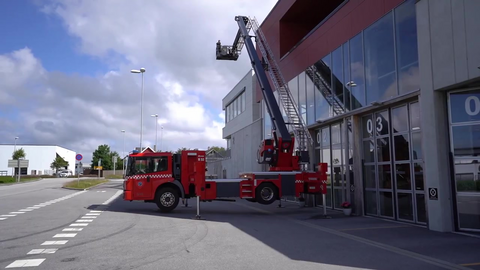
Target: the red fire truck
(164, 178)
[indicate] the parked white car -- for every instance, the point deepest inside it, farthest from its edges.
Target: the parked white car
(65, 173)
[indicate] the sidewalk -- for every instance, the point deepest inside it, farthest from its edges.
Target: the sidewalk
(444, 250)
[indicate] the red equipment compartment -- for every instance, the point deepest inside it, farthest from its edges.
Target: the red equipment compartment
(210, 190)
(127, 195)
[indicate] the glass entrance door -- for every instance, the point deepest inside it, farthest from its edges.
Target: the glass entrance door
(464, 110)
(393, 166)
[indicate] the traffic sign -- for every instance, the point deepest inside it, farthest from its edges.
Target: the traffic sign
(78, 157)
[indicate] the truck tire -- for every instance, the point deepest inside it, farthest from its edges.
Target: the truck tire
(167, 199)
(266, 193)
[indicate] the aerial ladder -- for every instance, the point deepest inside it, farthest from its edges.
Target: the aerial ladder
(284, 152)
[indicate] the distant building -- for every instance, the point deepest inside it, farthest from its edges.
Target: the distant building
(39, 158)
(243, 129)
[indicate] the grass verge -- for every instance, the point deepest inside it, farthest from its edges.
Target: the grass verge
(114, 176)
(82, 184)
(9, 179)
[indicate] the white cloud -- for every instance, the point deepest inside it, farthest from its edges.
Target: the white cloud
(184, 84)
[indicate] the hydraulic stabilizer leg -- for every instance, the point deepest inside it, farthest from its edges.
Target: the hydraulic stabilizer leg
(198, 217)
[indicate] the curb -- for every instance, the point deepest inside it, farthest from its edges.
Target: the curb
(79, 189)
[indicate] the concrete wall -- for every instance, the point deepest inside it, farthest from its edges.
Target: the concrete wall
(39, 156)
(449, 54)
(251, 108)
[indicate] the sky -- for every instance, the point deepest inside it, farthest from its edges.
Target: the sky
(65, 71)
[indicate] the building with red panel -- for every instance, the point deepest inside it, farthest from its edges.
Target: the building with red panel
(389, 90)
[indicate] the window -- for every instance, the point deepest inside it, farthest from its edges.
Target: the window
(322, 106)
(337, 79)
(236, 107)
(407, 49)
(302, 99)
(380, 60)
(357, 69)
(310, 89)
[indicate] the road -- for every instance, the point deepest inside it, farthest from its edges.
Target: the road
(96, 229)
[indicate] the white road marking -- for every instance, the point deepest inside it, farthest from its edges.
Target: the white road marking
(78, 224)
(41, 250)
(59, 235)
(48, 243)
(72, 229)
(7, 215)
(84, 220)
(92, 214)
(25, 210)
(118, 193)
(25, 263)
(17, 213)
(88, 217)
(96, 211)
(33, 207)
(3, 218)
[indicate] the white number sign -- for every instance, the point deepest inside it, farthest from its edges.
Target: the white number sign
(379, 126)
(476, 105)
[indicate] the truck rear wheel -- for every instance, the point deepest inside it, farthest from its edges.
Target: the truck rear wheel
(167, 199)
(266, 193)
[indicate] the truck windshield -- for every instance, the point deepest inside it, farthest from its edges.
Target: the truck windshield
(142, 165)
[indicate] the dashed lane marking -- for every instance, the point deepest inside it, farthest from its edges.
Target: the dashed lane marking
(25, 263)
(72, 229)
(66, 235)
(78, 224)
(40, 205)
(42, 251)
(50, 243)
(84, 221)
(3, 218)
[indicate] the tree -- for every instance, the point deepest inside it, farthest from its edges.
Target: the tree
(103, 153)
(18, 154)
(58, 163)
(218, 149)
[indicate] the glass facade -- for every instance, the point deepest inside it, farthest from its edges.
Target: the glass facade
(377, 64)
(464, 114)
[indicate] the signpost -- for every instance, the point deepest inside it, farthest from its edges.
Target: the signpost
(18, 163)
(78, 157)
(114, 160)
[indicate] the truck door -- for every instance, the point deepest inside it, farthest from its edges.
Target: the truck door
(142, 180)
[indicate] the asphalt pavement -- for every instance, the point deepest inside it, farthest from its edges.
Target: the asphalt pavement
(96, 229)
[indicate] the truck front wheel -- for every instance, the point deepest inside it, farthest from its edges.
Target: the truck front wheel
(167, 199)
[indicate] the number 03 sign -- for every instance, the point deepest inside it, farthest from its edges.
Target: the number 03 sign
(472, 105)
(378, 125)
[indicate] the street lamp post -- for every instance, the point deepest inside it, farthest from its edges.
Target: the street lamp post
(161, 137)
(142, 70)
(15, 149)
(156, 130)
(123, 153)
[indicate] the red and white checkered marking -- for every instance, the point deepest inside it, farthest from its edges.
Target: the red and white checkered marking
(152, 176)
